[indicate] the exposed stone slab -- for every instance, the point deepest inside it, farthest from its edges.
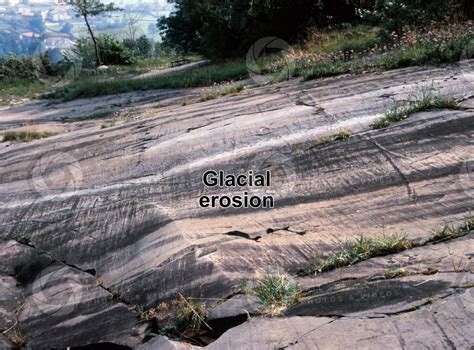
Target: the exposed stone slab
(63, 308)
(240, 305)
(444, 324)
(119, 206)
(162, 343)
(450, 256)
(5, 343)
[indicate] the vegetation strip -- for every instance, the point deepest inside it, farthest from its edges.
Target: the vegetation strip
(425, 102)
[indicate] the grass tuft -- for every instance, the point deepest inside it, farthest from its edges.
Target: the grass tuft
(449, 232)
(17, 339)
(106, 125)
(340, 135)
(396, 273)
(26, 136)
(423, 102)
(222, 91)
(360, 249)
(202, 76)
(276, 292)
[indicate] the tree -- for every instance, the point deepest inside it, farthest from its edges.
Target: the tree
(90, 8)
(132, 19)
(224, 28)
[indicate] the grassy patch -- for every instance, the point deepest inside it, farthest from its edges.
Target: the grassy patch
(449, 232)
(397, 273)
(96, 115)
(26, 136)
(427, 52)
(355, 251)
(222, 91)
(276, 292)
(12, 91)
(340, 135)
(424, 102)
(353, 50)
(202, 76)
(355, 39)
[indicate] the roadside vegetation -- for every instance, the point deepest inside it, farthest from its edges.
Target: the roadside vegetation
(349, 38)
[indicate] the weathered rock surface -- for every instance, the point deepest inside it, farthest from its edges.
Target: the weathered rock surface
(446, 324)
(116, 210)
(240, 305)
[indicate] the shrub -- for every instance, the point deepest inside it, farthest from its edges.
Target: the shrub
(111, 51)
(19, 68)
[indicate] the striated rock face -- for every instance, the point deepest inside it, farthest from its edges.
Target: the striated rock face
(443, 325)
(97, 224)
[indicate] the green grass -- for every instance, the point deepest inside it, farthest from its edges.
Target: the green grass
(277, 291)
(357, 39)
(424, 102)
(20, 89)
(449, 231)
(26, 136)
(203, 76)
(97, 115)
(421, 54)
(222, 91)
(355, 251)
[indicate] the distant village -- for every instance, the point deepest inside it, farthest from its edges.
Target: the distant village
(33, 26)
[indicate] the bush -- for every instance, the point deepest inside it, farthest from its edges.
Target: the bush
(19, 68)
(111, 51)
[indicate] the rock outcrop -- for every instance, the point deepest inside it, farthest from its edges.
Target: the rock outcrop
(98, 225)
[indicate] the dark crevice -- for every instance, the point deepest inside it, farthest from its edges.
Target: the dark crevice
(101, 346)
(252, 237)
